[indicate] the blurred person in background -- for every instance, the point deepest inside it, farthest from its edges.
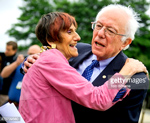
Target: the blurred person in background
(8, 57)
(34, 49)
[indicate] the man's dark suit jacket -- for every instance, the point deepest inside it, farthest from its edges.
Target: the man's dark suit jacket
(126, 111)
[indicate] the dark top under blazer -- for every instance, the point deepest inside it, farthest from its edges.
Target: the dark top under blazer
(126, 111)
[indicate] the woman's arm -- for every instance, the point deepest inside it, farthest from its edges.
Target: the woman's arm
(72, 85)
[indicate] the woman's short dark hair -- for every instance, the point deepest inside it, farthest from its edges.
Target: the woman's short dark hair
(51, 24)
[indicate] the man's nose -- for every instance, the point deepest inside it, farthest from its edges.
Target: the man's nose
(102, 32)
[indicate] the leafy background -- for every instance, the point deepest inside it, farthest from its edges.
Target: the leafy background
(85, 12)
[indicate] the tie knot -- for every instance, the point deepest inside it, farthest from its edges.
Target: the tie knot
(94, 63)
(89, 70)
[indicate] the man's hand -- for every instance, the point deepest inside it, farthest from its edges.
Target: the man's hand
(20, 59)
(30, 60)
(9, 69)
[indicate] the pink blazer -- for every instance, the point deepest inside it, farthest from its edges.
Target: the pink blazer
(49, 86)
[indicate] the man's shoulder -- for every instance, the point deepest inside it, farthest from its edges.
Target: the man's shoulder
(84, 44)
(83, 47)
(139, 81)
(2, 54)
(118, 62)
(122, 56)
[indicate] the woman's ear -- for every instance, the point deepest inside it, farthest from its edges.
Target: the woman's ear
(52, 44)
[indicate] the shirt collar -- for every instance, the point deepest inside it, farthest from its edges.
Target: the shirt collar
(103, 63)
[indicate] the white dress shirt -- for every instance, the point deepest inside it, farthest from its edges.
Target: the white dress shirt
(97, 70)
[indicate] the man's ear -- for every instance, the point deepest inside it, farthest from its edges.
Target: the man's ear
(127, 42)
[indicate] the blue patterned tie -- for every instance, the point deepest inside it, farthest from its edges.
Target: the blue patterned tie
(89, 70)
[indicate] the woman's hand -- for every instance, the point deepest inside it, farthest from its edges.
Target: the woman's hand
(30, 60)
(133, 66)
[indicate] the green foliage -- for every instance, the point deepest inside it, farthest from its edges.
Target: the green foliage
(31, 13)
(140, 47)
(85, 12)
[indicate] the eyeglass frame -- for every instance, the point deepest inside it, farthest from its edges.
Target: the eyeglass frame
(106, 29)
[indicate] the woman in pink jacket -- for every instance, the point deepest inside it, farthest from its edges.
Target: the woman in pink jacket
(51, 82)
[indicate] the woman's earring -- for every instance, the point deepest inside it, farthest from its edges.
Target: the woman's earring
(53, 46)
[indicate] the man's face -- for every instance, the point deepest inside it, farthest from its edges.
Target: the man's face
(104, 45)
(9, 50)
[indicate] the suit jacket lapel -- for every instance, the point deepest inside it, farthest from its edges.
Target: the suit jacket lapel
(114, 66)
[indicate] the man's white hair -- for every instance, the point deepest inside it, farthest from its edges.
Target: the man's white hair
(132, 24)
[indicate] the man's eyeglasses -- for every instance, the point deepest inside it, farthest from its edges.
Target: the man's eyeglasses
(108, 30)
